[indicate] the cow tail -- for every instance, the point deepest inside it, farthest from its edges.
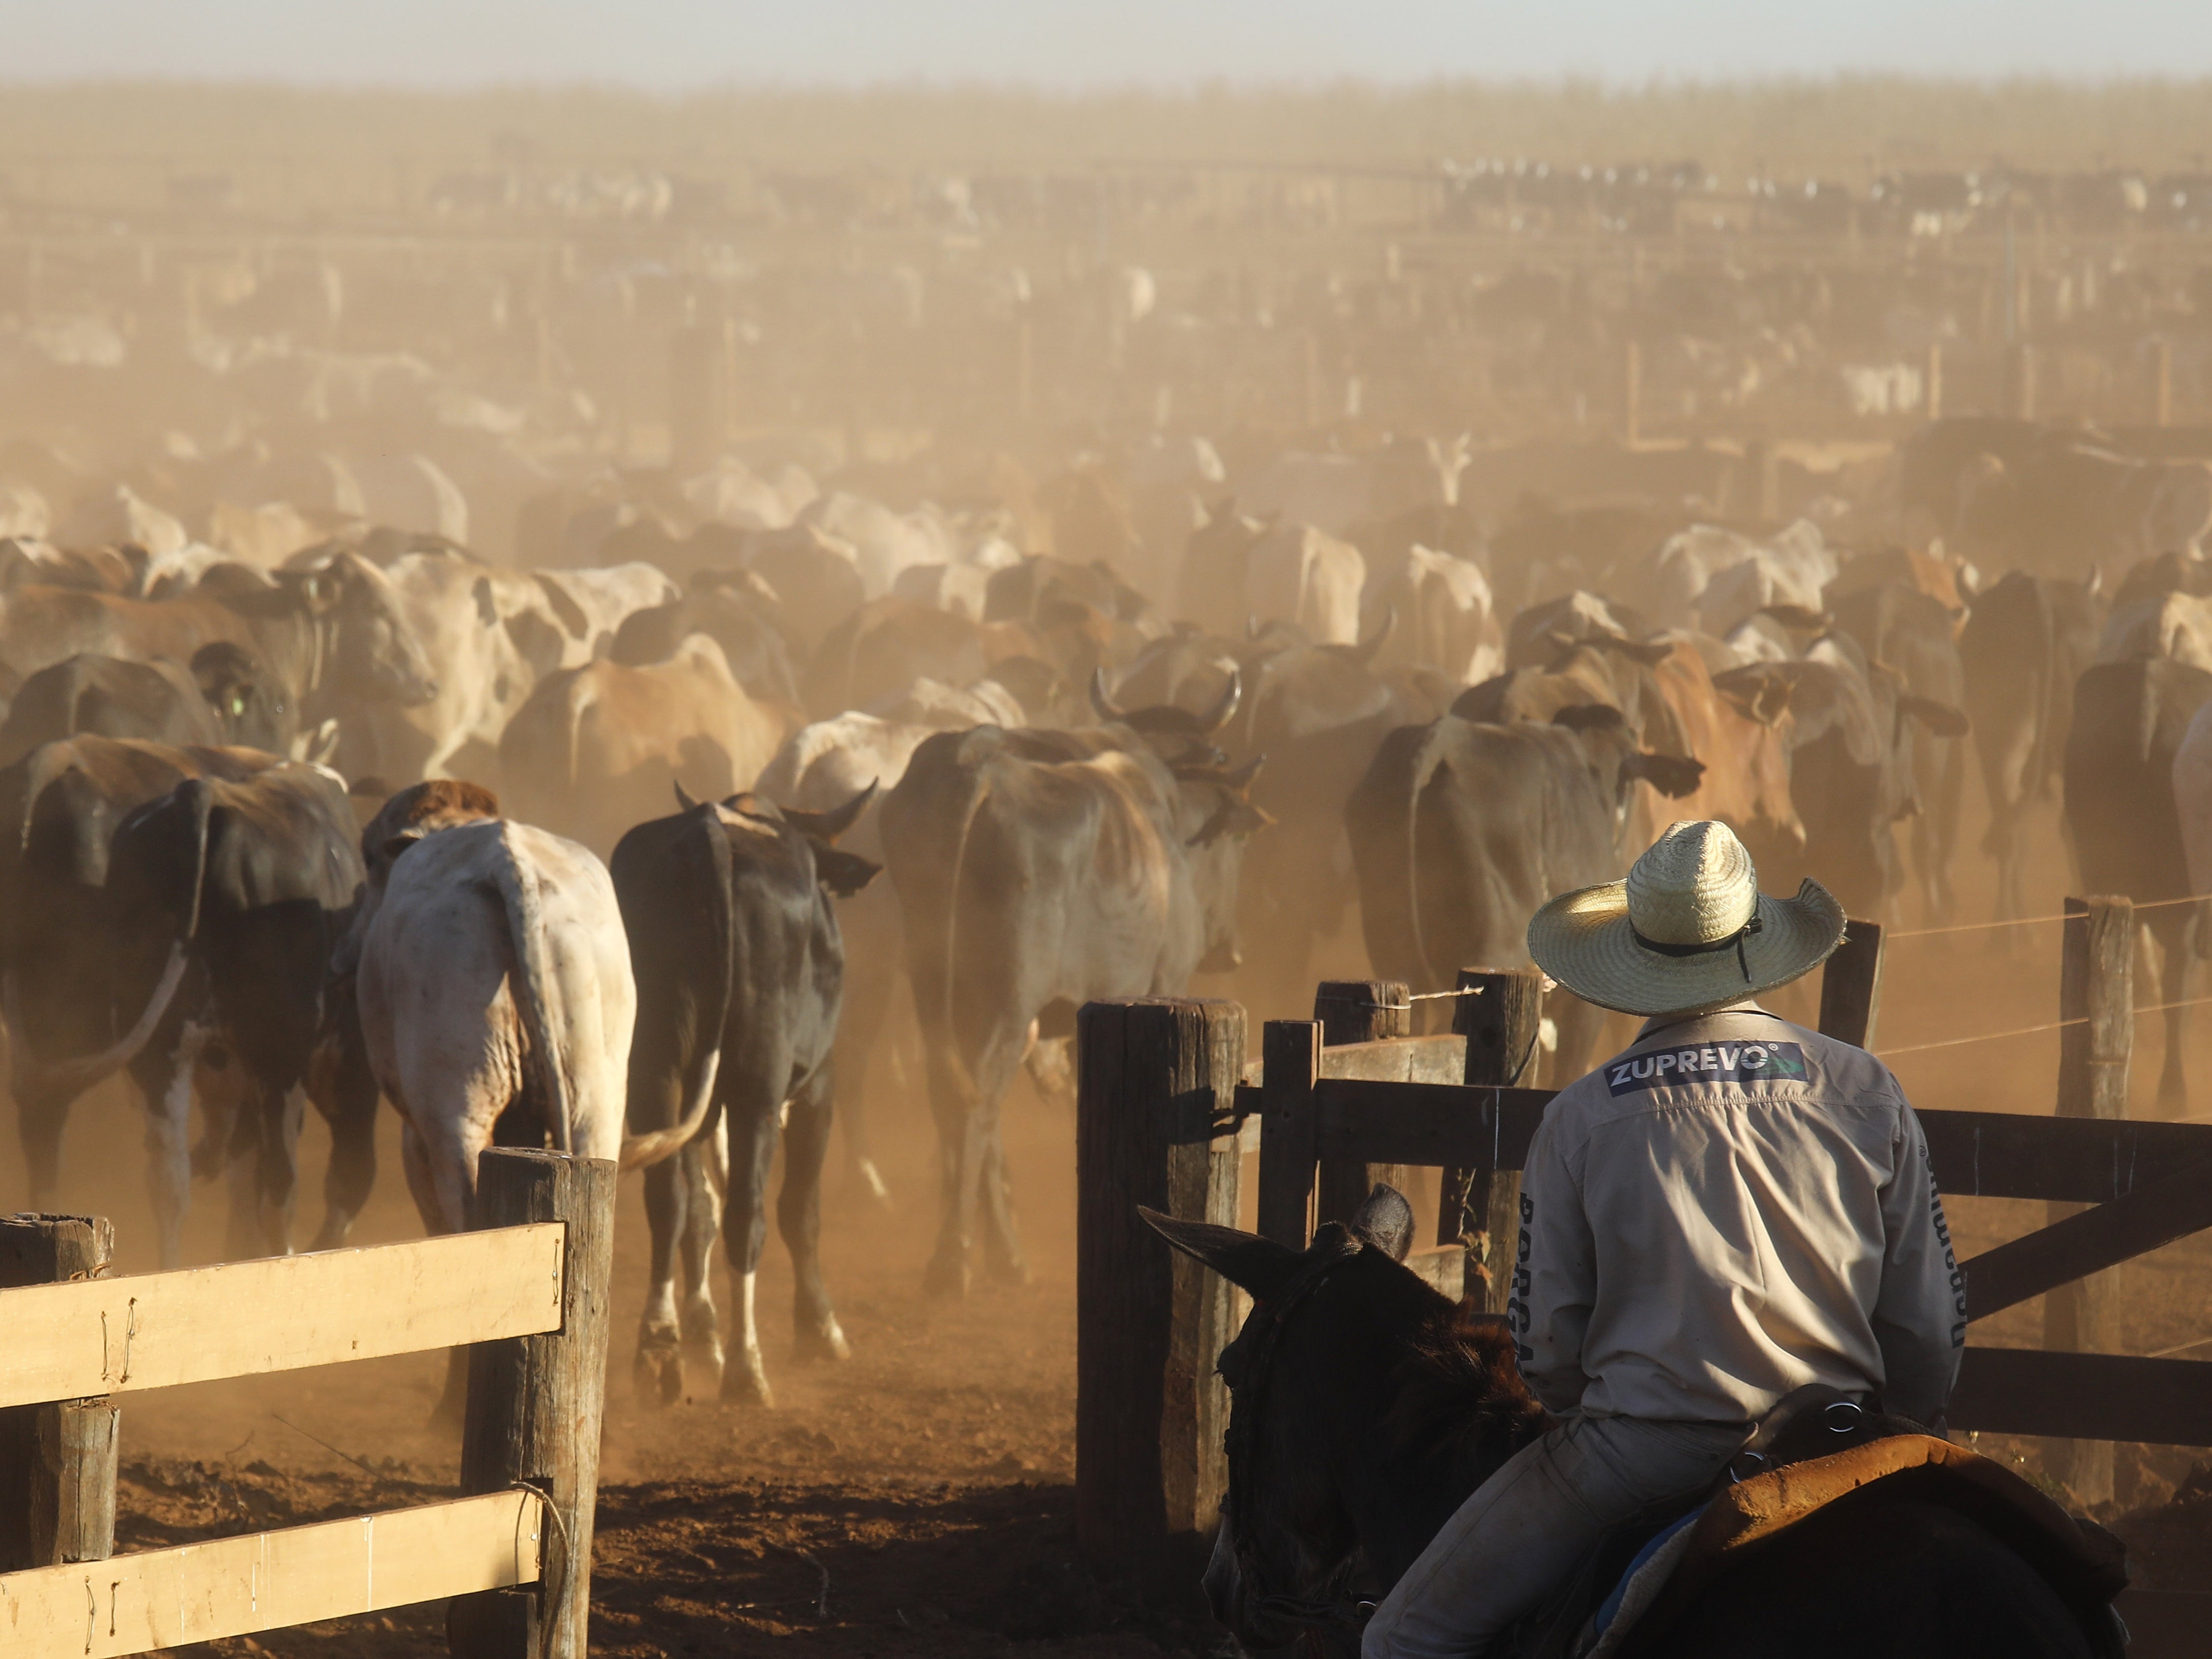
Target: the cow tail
(68, 1079)
(2042, 758)
(716, 972)
(537, 989)
(975, 791)
(1426, 758)
(579, 702)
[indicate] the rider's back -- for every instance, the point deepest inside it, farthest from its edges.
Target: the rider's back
(1732, 1208)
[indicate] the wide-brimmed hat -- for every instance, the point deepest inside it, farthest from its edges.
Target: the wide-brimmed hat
(1688, 930)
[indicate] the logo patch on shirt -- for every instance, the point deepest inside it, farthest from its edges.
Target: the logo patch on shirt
(1710, 1063)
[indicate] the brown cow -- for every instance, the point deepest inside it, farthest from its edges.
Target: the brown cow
(595, 749)
(333, 637)
(1741, 735)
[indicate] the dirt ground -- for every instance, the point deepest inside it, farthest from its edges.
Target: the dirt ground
(917, 1499)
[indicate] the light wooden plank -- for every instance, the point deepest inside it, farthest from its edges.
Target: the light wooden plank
(1398, 1060)
(271, 1580)
(106, 1336)
(1444, 1269)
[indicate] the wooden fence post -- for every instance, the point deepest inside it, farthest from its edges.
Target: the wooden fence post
(1156, 1080)
(1480, 1206)
(1850, 986)
(2096, 988)
(1358, 1011)
(57, 1460)
(1290, 1054)
(534, 1404)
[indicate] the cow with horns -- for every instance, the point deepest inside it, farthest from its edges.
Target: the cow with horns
(1035, 871)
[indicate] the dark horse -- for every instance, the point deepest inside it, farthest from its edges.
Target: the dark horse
(1366, 1407)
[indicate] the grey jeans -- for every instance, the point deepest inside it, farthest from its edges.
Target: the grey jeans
(1520, 1534)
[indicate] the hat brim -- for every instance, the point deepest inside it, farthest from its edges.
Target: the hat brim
(1583, 940)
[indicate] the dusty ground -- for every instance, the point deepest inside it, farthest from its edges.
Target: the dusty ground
(926, 1482)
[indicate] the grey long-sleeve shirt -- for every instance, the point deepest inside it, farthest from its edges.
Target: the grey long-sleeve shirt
(1731, 1208)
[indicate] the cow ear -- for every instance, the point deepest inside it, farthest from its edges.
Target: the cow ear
(1258, 1266)
(1672, 776)
(1589, 717)
(843, 873)
(1650, 653)
(395, 844)
(1386, 1221)
(1761, 697)
(1940, 718)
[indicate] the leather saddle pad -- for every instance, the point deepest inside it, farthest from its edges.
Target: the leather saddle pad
(2087, 1566)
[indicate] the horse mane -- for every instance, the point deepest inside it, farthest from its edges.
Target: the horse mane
(1459, 1392)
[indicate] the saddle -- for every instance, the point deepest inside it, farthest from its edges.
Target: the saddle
(1818, 1447)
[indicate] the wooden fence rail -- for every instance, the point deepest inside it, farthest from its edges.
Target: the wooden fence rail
(528, 1292)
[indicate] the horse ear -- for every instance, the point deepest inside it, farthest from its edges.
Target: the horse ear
(1258, 1266)
(1386, 1221)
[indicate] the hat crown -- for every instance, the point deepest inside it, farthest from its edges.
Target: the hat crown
(1694, 885)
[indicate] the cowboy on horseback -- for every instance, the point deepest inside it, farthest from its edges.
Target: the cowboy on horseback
(1731, 1209)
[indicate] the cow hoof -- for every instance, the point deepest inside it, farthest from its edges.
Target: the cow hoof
(872, 1184)
(746, 1384)
(657, 1371)
(825, 1341)
(1010, 1270)
(947, 1277)
(704, 1366)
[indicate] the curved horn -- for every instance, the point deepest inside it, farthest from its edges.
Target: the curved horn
(826, 827)
(684, 801)
(1365, 649)
(1103, 704)
(1225, 707)
(1240, 779)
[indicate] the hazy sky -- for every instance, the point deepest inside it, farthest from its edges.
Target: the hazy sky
(686, 42)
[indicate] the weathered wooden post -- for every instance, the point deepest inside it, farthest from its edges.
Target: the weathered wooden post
(1358, 1011)
(534, 1404)
(1290, 1052)
(57, 1460)
(1156, 1079)
(1632, 394)
(1500, 1012)
(2096, 997)
(1850, 985)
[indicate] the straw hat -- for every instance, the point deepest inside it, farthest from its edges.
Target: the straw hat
(1688, 930)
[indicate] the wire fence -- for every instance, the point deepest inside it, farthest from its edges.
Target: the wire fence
(2026, 921)
(2030, 1031)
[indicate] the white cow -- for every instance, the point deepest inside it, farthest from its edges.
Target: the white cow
(1296, 574)
(1690, 580)
(494, 972)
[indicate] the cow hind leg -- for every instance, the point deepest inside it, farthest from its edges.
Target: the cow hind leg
(753, 1132)
(657, 1371)
(1002, 1242)
(706, 1177)
(345, 1094)
(2179, 940)
(166, 1086)
(957, 1111)
(815, 1332)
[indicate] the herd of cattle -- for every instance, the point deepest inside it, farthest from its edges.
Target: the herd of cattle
(588, 856)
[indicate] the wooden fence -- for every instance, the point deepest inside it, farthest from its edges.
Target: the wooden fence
(1160, 1087)
(528, 1291)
